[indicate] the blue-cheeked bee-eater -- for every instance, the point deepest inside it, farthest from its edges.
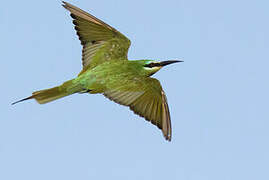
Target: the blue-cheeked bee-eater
(107, 70)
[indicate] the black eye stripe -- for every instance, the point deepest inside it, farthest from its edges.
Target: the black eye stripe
(151, 65)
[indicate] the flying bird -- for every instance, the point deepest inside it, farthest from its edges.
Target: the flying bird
(107, 70)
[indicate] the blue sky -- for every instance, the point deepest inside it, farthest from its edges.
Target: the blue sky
(218, 97)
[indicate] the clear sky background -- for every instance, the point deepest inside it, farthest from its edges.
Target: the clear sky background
(218, 97)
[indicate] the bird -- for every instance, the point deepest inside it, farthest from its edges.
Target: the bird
(107, 70)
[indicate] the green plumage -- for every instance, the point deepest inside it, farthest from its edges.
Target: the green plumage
(107, 70)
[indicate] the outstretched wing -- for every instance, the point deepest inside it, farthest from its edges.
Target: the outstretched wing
(146, 98)
(100, 41)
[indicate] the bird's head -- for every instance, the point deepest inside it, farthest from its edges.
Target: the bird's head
(150, 66)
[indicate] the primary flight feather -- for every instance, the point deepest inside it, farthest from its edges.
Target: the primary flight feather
(107, 70)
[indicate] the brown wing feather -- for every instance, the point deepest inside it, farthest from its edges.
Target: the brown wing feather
(147, 99)
(100, 41)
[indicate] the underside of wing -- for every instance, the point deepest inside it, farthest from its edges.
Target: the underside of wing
(146, 98)
(100, 41)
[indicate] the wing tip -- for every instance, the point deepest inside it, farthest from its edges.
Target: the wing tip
(68, 6)
(65, 4)
(166, 126)
(167, 137)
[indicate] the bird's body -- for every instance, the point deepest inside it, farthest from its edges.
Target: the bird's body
(107, 70)
(112, 74)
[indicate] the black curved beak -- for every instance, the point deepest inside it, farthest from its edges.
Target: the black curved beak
(164, 63)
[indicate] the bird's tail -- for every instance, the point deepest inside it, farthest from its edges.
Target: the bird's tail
(48, 95)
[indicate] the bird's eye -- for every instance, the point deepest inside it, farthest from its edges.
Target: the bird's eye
(151, 65)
